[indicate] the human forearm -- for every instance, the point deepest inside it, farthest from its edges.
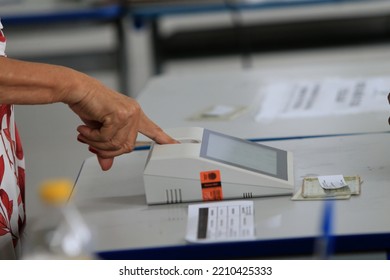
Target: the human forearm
(35, 83)
(111, 120)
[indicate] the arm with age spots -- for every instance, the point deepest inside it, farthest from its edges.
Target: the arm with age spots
(111, 120)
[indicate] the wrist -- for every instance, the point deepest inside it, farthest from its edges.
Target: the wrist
(72, 89)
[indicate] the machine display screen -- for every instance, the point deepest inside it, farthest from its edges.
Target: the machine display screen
(244, 154)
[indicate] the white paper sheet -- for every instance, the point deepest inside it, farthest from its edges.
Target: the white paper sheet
(314, 98)
(331, 182)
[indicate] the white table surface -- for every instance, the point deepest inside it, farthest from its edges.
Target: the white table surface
(172, 100)
(114, 206)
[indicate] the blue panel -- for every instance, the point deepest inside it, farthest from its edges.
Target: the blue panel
(253, 249)
(84, 14)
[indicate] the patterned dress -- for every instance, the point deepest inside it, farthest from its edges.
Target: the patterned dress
(12, 179)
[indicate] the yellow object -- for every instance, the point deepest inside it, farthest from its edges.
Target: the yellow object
(56, 191)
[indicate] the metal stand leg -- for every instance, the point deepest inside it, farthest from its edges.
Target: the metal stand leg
(122, 55)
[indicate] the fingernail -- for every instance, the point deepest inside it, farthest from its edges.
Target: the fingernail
(92, 150)
(81, 141)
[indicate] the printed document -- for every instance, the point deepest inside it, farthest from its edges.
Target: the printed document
(220, 221)
(317, 98)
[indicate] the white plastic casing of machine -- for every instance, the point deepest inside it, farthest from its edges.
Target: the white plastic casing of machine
(247, 169)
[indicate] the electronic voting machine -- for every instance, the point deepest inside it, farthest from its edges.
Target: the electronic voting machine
(208, 165)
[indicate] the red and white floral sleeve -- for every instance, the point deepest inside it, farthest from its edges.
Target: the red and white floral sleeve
(2, 41)
(12, 180)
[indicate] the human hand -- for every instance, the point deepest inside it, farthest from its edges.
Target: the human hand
(111, 124)
(111, 120)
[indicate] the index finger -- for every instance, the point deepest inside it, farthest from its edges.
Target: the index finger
(151, 130)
